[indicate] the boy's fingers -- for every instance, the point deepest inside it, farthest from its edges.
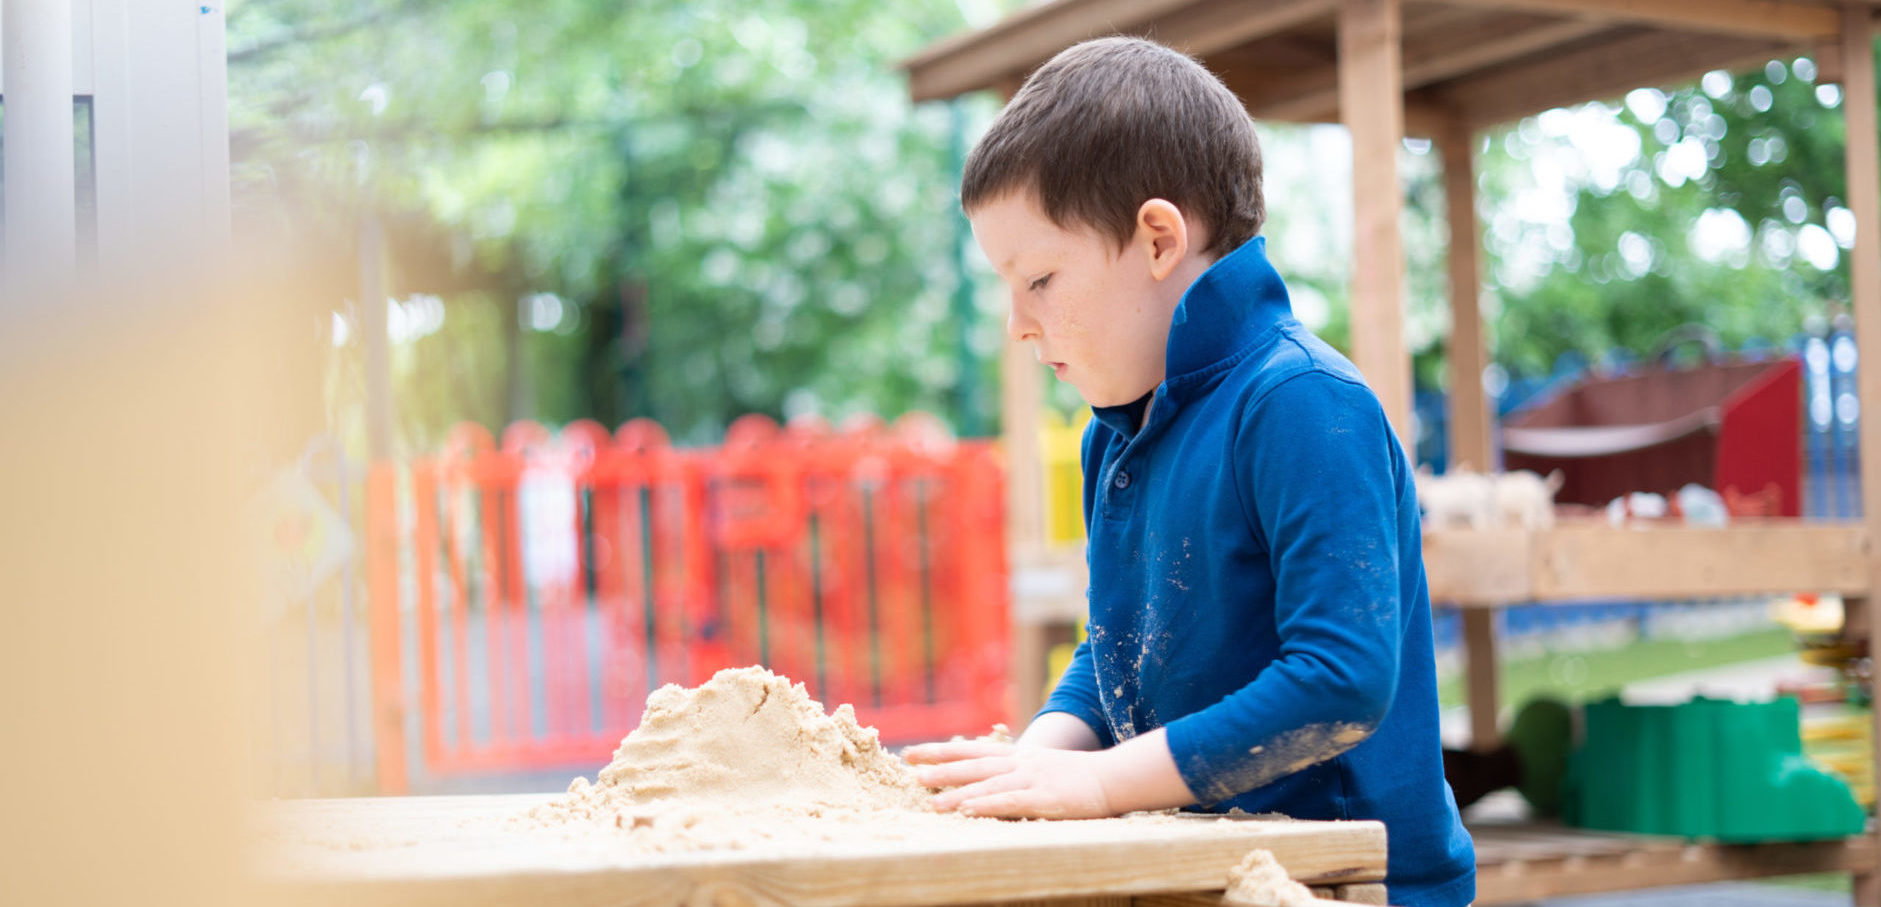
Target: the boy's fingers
(998, 784)
(953, 751)
(966, 771)
(1013, 804)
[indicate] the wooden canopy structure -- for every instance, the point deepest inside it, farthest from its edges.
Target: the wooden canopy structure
(1447, 69)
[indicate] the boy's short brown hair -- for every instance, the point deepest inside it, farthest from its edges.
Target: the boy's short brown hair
(1111, 123)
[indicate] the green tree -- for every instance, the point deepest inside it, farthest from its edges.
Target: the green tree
(687, 211)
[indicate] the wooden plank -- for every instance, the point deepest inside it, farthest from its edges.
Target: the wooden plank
(462, 852)
(1470, 441)
(1504, 879)
(1372, 105)
(1752, 18)
(1863, 161)
(1599, 67)
(1595, 561)
(1475, 569)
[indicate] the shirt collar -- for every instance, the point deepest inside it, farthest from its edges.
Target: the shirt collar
(1236, 300)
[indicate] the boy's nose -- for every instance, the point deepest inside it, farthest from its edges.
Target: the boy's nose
(1019, 326)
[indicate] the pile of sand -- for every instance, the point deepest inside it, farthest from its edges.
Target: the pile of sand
(1260, 881)
(732, 762)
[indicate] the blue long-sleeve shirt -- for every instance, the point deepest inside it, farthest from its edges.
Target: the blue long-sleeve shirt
(1257, 584)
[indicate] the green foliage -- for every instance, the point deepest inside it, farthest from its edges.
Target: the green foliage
(1735, 185)
(735, 210)
(695, 210)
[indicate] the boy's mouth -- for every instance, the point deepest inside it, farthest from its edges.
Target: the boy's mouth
(1058, 368)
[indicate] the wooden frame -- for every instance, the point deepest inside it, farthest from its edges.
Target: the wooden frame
(1447, 69)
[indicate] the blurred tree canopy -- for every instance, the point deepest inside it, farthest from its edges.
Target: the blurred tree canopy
(687, 211)
(691, 211)
(1717, 202)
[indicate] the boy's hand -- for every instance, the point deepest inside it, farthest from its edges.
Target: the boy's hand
(1037, 782)
(1000, 779)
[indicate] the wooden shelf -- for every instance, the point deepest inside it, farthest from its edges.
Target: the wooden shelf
(1491, 568)
(1517, 863)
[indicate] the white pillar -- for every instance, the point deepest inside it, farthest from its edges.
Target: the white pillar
(41, 193)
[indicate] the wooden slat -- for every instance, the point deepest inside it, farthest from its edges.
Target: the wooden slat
(1752, 18)
(1525, 863)
(1604, 66)
(460, 852)
(1372, 105)
(1470, 568)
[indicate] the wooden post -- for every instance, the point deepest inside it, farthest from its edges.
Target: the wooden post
(1371, 102)
(1864, 199)
(1021, 396)
(1470, 421)
(1479, 652)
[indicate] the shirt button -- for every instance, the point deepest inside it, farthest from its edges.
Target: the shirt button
(1122, 480)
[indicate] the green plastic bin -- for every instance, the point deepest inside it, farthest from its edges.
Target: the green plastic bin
(1707, 768)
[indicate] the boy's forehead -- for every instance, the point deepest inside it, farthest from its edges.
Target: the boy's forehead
(1013, 225)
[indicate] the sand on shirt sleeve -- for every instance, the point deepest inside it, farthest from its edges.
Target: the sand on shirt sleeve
(1315, 469)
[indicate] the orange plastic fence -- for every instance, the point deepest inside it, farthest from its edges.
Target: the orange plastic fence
(552, 582)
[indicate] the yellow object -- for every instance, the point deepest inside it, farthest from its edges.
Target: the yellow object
(1060, 446)
(1844, 744)
(1058, 659)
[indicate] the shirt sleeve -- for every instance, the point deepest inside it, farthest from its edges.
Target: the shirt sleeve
(1317, 468)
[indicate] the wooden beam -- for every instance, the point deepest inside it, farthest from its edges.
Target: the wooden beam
(1470, 436)
(1017, 44)
(1863, 161)
(1314, 96)
(1372, 103)
(1784, 19)
(1598, 70)
(1222, 24)
(1470, 568)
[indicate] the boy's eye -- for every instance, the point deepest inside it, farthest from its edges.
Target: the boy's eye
(1039, 284)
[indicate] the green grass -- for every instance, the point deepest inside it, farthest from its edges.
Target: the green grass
(1840, 882)
(1580, 676)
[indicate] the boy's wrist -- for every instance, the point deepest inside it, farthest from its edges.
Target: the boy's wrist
(1141, 774)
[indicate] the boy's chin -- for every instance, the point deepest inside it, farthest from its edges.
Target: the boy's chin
(1103, 400)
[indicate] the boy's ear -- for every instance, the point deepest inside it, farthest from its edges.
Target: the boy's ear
(1163, 233)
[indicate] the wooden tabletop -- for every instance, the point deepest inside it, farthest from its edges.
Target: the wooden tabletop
(467, 851)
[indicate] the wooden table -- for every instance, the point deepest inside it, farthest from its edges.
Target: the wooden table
(456, 851)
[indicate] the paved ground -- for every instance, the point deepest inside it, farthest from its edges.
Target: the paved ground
(1722, 894)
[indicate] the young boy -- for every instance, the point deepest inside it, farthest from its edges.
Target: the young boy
(1260, 630)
